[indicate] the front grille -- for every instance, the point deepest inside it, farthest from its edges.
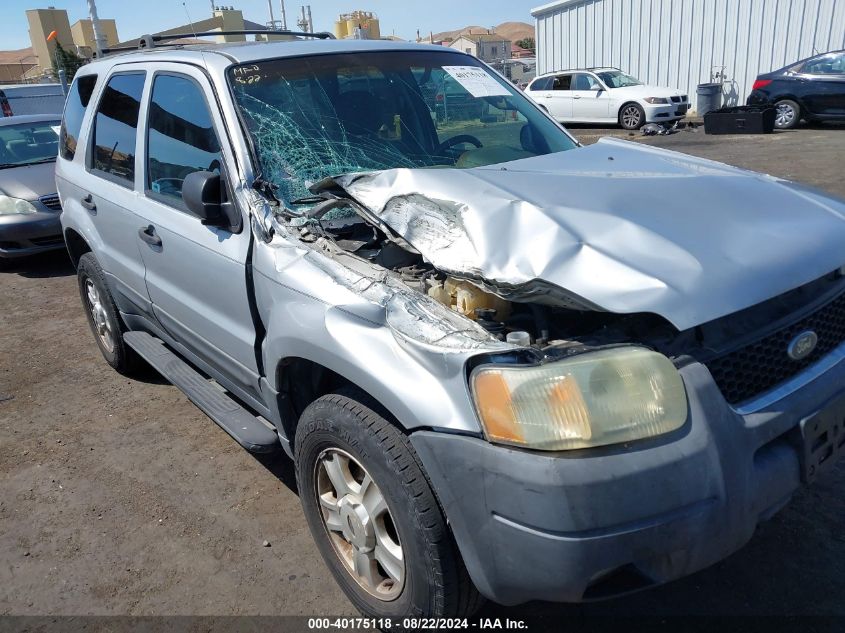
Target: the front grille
(764, 364)
(51, 202)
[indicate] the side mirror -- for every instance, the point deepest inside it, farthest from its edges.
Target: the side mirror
(201, 194)
(204, 197)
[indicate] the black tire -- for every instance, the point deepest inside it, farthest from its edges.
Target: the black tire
(636, 119)
(436, 583)
(788, 114)
(121, 357)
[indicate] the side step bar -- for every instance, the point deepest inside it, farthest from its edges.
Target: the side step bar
(252, 433)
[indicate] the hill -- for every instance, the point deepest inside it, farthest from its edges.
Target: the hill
(511, 30)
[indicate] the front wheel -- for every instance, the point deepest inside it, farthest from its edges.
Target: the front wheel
(787, 114)
(631, 116)
(374, 516)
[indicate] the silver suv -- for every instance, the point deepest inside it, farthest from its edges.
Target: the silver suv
(505, 365)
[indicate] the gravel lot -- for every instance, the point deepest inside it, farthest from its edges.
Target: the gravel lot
(120, 497)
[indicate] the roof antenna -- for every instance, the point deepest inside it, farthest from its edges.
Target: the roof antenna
(194, 31)
(190, 21)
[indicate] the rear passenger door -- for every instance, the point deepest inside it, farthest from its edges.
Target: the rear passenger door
(559, 100)
(98, 181)
(195, 274)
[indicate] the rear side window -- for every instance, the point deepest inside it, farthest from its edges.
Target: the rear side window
(115, 126)
(543, 83)
(181, 138)
(77, 101)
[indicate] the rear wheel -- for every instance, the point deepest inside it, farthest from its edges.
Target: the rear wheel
(103, 317)
(631, 116)
(787, 114)
(373, 514)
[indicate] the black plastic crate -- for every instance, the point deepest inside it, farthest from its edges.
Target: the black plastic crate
(740, 120)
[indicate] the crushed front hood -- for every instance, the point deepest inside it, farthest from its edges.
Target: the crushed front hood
(617, 226)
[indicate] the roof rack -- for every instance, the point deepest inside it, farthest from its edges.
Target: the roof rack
(153, 41)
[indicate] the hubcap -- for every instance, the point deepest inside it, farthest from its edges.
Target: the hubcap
(785, 115)
(98, 314)
(631, 116)
(359, 524)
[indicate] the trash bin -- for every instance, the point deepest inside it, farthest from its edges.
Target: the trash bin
(709, 98)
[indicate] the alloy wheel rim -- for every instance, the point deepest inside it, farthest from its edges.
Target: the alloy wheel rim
(630, 116)
(102, 325)
(785, 114)
(359, 524)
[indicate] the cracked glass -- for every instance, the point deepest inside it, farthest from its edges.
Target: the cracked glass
(327, 115)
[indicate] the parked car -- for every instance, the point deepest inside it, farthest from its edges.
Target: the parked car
(812, 89)
(504, 364)
(23, 99)
(606, 95)
(29, 204)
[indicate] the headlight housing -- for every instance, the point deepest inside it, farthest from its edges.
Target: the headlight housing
(15, 206)
(656, 100)
(591, 399)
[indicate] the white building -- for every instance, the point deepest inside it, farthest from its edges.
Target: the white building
(679, 43)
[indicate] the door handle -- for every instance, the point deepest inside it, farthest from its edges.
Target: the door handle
(148, 234)
(576, 97)
(88, 202)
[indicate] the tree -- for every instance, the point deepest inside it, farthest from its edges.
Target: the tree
(527, 43)
(68, 61)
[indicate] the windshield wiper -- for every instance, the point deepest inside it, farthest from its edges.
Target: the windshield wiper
(7, 165)
(48, 159)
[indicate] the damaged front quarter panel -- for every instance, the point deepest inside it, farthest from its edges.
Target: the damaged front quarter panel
(376, 294)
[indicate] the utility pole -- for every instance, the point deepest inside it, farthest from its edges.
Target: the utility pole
(272, 24)
(284, 17)
(99, 39)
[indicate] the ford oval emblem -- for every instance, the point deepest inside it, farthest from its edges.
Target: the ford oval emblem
(802, 345)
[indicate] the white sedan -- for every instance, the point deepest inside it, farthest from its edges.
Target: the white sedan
(606, 95)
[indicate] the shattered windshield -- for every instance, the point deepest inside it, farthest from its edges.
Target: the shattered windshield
(319, 116)
(618, 79)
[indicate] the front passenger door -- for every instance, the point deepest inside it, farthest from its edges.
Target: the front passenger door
(824, 80)
(590, 101)
(196, 274)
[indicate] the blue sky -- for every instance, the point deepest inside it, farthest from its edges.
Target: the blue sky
(136, 17)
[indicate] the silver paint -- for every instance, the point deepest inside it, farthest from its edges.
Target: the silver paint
(616, 226)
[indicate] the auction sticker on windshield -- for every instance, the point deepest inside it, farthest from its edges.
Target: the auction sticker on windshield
(477, 81)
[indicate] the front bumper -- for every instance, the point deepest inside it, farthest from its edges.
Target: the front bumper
(670, 112)
(22, 235)
(584, 525)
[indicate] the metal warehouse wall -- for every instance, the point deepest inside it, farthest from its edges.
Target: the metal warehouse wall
(676, 42)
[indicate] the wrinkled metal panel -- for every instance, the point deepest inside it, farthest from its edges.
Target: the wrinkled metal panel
(677, 42)
(616, 226)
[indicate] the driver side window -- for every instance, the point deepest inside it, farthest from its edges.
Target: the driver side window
(180, 136)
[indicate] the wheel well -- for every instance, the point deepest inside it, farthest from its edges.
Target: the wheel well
(627, 103)
(302, 381)
(76, 246)
(789, 98)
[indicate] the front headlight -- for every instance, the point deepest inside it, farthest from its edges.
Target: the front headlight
(656, 100)
(14, 206)
(591, 399)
